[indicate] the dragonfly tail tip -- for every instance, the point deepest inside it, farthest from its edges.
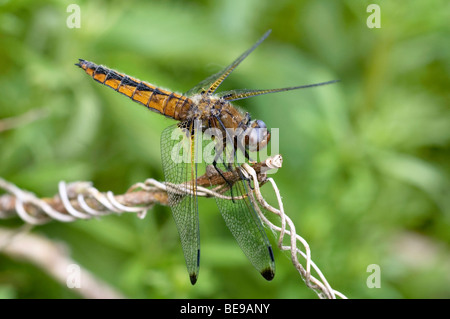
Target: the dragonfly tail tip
(80, 62)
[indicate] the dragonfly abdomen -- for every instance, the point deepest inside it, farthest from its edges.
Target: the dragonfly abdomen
(167, 103)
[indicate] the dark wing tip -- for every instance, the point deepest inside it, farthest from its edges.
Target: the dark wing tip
(268, 274)
(193, 278)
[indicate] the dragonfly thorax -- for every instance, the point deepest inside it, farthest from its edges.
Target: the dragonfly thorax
(215, 112)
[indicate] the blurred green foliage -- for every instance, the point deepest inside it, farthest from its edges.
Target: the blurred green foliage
(366, 161)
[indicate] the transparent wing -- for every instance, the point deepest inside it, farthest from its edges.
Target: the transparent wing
(245, 225)
(178, 154)
(210, 84)
(234, 95)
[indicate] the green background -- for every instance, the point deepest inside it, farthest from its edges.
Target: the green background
(365, 176)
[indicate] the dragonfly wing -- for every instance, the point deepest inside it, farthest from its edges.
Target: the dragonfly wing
(244, 223)
(211, 83)
(240, 94)
(178, 154)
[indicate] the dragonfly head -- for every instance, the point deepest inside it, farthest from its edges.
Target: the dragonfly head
(258, 136)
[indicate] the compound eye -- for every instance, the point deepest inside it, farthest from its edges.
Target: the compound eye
(259, 124)
(258, 137)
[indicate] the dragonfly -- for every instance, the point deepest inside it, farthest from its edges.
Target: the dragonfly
(197, 111)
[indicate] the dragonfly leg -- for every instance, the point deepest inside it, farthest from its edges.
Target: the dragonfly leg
(220, 152)
(247, 156)
(239, 143)
(226, 181)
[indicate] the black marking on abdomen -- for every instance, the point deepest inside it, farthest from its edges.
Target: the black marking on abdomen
(157, 91)
(113, 75)
(180, 108)
(166, 102)
(150, 99)
(142, 87)
(99, 70)
(129, 82)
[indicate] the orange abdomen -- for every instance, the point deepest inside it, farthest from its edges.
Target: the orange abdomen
(170, 104)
